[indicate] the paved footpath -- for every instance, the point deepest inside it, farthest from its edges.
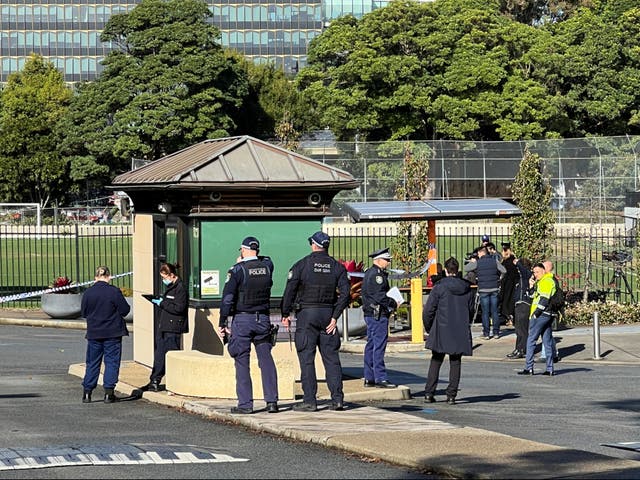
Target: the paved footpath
(404, 439)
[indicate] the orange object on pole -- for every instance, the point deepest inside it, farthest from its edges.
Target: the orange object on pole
(433, 252)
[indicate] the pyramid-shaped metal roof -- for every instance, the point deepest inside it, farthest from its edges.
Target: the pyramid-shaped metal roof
(231, 162)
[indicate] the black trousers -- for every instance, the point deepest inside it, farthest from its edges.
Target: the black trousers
(164, 342)
(455, 365)
(521, 323)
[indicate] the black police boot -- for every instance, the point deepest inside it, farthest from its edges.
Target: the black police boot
(429, 398)
(305, 407)
(86, 396)
(385, 384)
(451, 400)
(109, 396)
(152, 386)
(272, 407)
(337, 406)
(369, 383)
(240, 410)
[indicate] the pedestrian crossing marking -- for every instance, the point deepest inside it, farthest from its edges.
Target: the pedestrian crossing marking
(118, 454)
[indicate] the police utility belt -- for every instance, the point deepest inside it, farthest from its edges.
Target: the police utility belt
(300, 306)
(257, 314)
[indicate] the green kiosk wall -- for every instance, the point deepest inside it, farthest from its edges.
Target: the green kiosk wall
(285, 241)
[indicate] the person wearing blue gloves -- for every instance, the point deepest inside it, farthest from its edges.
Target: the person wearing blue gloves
(170, 323)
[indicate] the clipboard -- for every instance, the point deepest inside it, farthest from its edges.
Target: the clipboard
(149, 296)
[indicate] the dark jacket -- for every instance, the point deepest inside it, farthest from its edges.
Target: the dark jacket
(375, 286)
(104, 308)
(447, 316)
(173, 309)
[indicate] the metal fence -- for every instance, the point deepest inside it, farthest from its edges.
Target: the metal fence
(591, 177)
(603, 260)
(31, 257)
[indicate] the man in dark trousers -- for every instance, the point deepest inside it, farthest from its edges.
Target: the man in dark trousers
(377, 307)
(170, 322)
(446, 319)
(317, 290)
(246, 296)
(104, 307)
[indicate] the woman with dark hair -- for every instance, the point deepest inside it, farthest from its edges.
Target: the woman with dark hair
(171, 322)
(522, 297)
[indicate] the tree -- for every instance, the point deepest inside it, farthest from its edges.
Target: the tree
(532, 12)
(533, 232)
(170, 85)
(455, 69)
(31, 106)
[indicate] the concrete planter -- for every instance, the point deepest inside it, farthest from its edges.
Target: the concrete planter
(129, 317)
(355, 322)
(61, 305)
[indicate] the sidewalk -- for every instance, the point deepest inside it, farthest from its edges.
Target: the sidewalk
(403, 439)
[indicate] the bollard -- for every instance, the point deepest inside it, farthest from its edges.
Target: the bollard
(345, 325)
(596, 336)
(417, 329)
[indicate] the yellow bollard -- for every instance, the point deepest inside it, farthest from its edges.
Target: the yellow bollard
(417, 329)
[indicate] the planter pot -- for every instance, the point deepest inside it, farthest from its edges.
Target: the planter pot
(355, 322)
(129, 317)
(61, 305)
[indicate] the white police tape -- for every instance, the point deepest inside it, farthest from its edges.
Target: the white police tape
(21, 296)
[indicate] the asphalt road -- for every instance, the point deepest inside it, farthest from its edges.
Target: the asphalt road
(40, 407)
(582, 407)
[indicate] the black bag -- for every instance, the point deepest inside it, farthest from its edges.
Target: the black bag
(558, 299)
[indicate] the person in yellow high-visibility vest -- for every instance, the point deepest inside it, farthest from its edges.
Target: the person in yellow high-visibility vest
(540, 320)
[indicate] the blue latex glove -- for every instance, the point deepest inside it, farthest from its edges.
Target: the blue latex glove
(157, 301)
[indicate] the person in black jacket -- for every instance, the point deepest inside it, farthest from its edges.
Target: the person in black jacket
(522, 297)
(246, 296)
(171, 322)
(377, 307)
(318, 290)
(104, 307)
(446, 319)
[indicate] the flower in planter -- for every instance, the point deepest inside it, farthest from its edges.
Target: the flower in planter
(356, 281)
(61, 283)
(126, 291)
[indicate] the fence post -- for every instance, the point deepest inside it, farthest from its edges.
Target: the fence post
(78, 275)
(417, 335)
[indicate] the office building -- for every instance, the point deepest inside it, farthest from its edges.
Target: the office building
(67, 32)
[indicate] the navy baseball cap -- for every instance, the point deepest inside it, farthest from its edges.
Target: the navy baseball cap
(321, 239)
(250, 243)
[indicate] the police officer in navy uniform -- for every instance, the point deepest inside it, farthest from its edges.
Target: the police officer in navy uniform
(377, 307)
(317, 290)
(246, 296)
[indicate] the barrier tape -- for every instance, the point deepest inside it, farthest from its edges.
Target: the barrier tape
(20, 296)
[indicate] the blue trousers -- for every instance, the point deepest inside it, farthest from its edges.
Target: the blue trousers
(311, 334)
(539, 326)
(489, 304)
(245, 329)
(377, 336)
(109, 349)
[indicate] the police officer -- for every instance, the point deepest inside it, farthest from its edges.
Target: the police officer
(246, 296)
(318, 290)
(377, 307)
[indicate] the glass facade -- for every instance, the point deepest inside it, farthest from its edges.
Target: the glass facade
(67, 32)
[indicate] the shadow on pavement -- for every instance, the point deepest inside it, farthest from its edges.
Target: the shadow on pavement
(20, 395)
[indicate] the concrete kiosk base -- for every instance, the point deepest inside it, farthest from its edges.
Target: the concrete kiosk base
(196, 374)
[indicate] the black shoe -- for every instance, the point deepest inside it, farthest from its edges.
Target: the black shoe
(385, 384)
(556, 359)
(429, 398)
(305, 407)
(337, 406)
(369, 383)
(86, 396)
(109, 396)
(272, 407)
(548, 373)
(245, 411)
(451, 400)
(152, 386)
(515, 354)
(525, 372)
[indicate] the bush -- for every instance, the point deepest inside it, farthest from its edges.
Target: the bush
(610, 313)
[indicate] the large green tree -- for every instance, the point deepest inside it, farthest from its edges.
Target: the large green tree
(447, 69)
(31, 106)
(168, 86)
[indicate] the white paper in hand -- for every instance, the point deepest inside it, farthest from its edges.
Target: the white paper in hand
(396, 295)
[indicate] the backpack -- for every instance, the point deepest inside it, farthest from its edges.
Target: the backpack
(557, 300)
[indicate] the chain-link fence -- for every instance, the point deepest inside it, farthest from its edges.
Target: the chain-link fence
(592, 178)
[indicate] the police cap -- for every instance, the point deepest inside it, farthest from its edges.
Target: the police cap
(485, 238)
(321, 239)
(250, 243)
(382, 253)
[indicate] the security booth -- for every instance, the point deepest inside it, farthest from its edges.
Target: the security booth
(430, 211)
(195, 206)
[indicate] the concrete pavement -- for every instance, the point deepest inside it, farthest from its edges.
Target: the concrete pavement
(404, 439)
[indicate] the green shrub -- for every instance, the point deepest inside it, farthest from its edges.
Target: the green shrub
(609, 313)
